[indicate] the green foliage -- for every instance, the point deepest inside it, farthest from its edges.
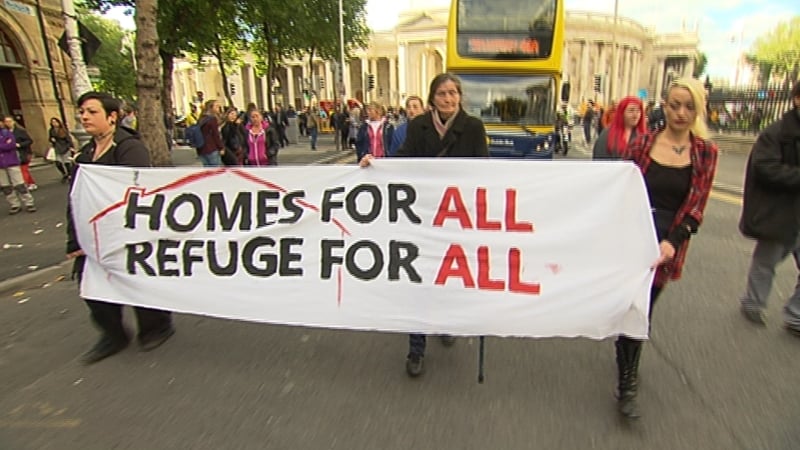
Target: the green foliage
(114, 58)
(318, 27)
(700, 67)
(778, 51)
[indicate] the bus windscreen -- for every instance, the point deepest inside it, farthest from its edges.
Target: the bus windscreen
(510, 99)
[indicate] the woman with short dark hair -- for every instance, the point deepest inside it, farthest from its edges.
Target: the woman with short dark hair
(114, 146)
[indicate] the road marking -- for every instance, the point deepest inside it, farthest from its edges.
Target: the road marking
(727, 198)
(64, 423)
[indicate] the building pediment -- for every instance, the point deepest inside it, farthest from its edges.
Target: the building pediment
(421, 21)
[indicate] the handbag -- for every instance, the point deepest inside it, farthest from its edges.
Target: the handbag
(51, 154)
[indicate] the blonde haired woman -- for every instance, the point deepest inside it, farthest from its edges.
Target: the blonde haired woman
(678, 165)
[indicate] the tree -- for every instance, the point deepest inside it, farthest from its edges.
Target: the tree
(317, 32)
(270, 24)
(778, 51)
(222, 37)
(700, 67)
(148, 82)
(113, 59)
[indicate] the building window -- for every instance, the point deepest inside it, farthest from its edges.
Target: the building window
(7, 53)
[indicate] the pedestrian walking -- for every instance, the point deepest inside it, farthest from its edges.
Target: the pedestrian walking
(312, 125)
(771, 213)
(375, 135)
(210, 153)
(628, 123)
(233, 138)
(444, 131)
(263, 141)
(586, 120)
(678, 165)
(114, 146)
(24, 149)
(63, 148)
(11, 181)
(414, 108)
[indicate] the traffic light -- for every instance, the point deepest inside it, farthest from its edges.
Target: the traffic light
(370, 82)
(598, 83)
(233, 89)
(322, 83)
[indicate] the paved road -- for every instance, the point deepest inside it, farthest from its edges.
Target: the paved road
(709, 379)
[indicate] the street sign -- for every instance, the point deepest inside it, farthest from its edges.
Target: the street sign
(89, 43)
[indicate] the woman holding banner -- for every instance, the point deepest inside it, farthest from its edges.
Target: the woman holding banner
(110, 145)
(678, 165)
(446, 130)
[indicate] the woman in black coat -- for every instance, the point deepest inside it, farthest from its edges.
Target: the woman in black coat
(444, 131)
(114, 146)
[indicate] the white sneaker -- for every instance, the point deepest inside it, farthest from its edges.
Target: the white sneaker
(32, 187)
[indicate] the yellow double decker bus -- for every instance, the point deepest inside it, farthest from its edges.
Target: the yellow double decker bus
(508, 55)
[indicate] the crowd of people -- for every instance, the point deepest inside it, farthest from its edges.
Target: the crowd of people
(672, 150)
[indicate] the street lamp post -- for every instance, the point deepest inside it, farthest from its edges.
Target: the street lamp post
(612, 85)
(340, 81)
(80, 78)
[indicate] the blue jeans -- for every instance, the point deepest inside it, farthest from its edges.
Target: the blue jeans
(313, 132)
(212, 159)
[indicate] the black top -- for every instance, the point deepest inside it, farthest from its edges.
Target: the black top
(667, 186)
(127, 150)
(466, 137)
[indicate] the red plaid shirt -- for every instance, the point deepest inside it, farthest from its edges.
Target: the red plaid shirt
(704, 166)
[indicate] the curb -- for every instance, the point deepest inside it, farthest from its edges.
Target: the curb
(34, 279)
(333, 157)
(728, 189)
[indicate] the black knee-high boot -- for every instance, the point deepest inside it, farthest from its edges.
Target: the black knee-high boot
(628, 353)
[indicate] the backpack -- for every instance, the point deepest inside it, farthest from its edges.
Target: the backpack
(194, 134)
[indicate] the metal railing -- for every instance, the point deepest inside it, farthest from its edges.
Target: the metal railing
(747, 110)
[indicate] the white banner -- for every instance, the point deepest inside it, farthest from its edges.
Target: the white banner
(464, 247)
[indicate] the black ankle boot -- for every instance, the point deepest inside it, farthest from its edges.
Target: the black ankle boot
(628, 352)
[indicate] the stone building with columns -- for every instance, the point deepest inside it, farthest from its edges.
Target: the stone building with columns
(405, 59)
(27, 89)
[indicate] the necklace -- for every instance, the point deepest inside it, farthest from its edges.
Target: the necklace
(678, 149)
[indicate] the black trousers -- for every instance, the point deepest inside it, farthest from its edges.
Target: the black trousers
(108, 317)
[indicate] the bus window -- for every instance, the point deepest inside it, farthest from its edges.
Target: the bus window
(506, 15)
(510, 99)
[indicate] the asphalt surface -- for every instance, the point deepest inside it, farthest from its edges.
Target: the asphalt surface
(709, 379)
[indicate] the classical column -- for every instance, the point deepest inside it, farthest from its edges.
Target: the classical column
(251, 84)
(289, 86)
(266, 91)
(689, 68)
(373, 69)
(364, 76)
(329, 80)
(635, 64)
(401, 82)
(424, 75)
(660, 78)
(346, 81)
(623, 73)
(392, 81)
(585, 77)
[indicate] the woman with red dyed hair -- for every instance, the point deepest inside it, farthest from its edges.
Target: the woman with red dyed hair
(627, 124)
